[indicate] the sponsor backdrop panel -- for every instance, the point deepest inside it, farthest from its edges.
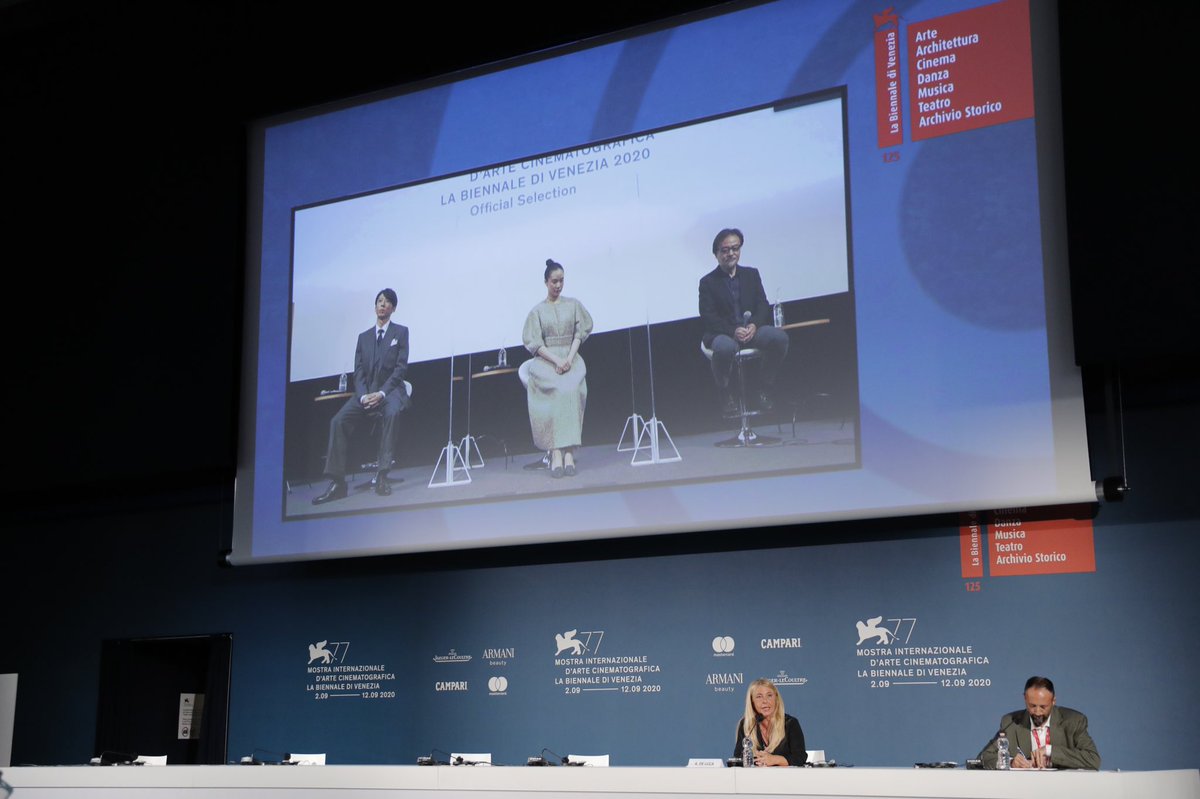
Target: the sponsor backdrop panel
(881, 649)
(1119, 641)
(346, 689)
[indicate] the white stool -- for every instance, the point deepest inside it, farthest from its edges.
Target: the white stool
(746, 437)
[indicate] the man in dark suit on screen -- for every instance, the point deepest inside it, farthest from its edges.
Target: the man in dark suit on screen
(380, 363)
(735, 314)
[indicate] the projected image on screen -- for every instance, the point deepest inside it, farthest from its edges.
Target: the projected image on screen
(922, 364)
(632, 222)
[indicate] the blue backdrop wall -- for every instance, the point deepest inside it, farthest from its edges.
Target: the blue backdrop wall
(462, 651)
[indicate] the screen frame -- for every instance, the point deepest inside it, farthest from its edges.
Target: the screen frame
(1065, 384)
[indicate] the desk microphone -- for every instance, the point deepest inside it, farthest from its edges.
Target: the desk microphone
(541, 760)
(253, 759)
(109, 758)
(562, 761)
(431, 759)
(557, 759)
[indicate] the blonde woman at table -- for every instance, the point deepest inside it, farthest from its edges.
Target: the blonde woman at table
(557, 388)
(776, 737)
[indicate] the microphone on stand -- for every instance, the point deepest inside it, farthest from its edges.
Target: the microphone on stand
(542, 760)
(431, 759)
(562, 761)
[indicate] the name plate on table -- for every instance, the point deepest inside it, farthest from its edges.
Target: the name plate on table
(706, 762)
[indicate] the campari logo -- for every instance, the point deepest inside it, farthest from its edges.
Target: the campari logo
(722, 646)
(780, 643)
(450, 685)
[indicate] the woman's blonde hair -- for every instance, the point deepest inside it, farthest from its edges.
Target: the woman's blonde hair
(750, 719)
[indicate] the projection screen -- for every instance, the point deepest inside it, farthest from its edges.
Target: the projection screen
(896, 180)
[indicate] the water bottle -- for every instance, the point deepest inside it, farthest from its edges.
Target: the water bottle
(502, 358)
(747, 752)
(778, 311)
(1003, 760)
(342, 383)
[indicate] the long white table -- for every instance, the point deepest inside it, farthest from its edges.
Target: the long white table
(445, 782)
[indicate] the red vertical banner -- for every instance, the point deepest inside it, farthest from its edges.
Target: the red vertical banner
(970, 69)
(1020, 545)
(971, 545)
(888, 103)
